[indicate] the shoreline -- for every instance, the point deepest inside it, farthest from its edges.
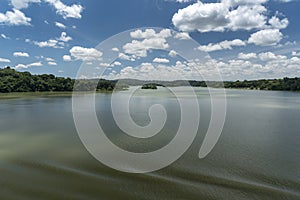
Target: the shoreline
(16, 95)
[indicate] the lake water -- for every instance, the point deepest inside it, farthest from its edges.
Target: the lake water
(256, 157)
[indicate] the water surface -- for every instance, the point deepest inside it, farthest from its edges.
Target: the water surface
(257, 156)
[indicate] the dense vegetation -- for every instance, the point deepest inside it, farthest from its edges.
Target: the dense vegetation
(288, 84)
(14, 81)
(152, 86)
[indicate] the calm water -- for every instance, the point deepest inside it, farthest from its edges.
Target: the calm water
(257, 156)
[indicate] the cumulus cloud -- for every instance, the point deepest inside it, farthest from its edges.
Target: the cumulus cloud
(15, 17)
(295, 53)
(54, 43)
(247, 56)
(85, 54)
(115, 49)
(267, 56)
(230, 70)
(202, 17)
(277, 23)
(50, 59)
(64, 37)
(20, 66)
(20, 4)
(149, 40)
(182, 36)
(73, 11)
(60, 25)
(161, 60)
(67, 58)
(20, 54)
(222, 45)
(226, 15)
(123, 56)
(140, 48)
(49, 43)
(247, 17)
(267, 37)
(150, 33)
(4, 60)
(23, 66)
(173, 53)
(234, 3)
(116, 63)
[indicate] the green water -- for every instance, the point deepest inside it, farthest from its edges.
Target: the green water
(257, 156)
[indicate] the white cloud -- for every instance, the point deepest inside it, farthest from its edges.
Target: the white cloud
(4, 36)
(73, 11)
(20, 4)
(22, 66)
(294, 53)
(147, 40)
(222, 45)
(150, 33)
(226, 15)
(115, 49)
(285, 1)
(116, 63)
(267, 37)
(85, 54)
(234, 3)
(140, 48)
(276, 23)
(52, 63)
(60, 25)
(49, 43)
(54, 43)
(35, 64)
(4, 60)
(15, 17)
(183, 1)
(50, 59)
(267, 56)
(247, 56)
(161, 60)
(182, 36)
(202, 17)
(20, 54)
(64, 37)
(67, 58)
(247, 17)
(173, 53)
(123, 56)
(230, 70)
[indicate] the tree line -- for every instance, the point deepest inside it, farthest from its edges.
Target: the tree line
(14, 81)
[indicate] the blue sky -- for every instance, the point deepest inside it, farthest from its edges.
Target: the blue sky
(244, 39)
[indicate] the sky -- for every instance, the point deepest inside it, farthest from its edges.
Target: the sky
(241, 39)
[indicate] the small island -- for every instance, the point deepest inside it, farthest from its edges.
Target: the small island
(151, 86)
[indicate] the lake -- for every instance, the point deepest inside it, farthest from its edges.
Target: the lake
(256, 157)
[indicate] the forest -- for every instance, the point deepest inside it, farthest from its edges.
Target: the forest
(15, 81)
